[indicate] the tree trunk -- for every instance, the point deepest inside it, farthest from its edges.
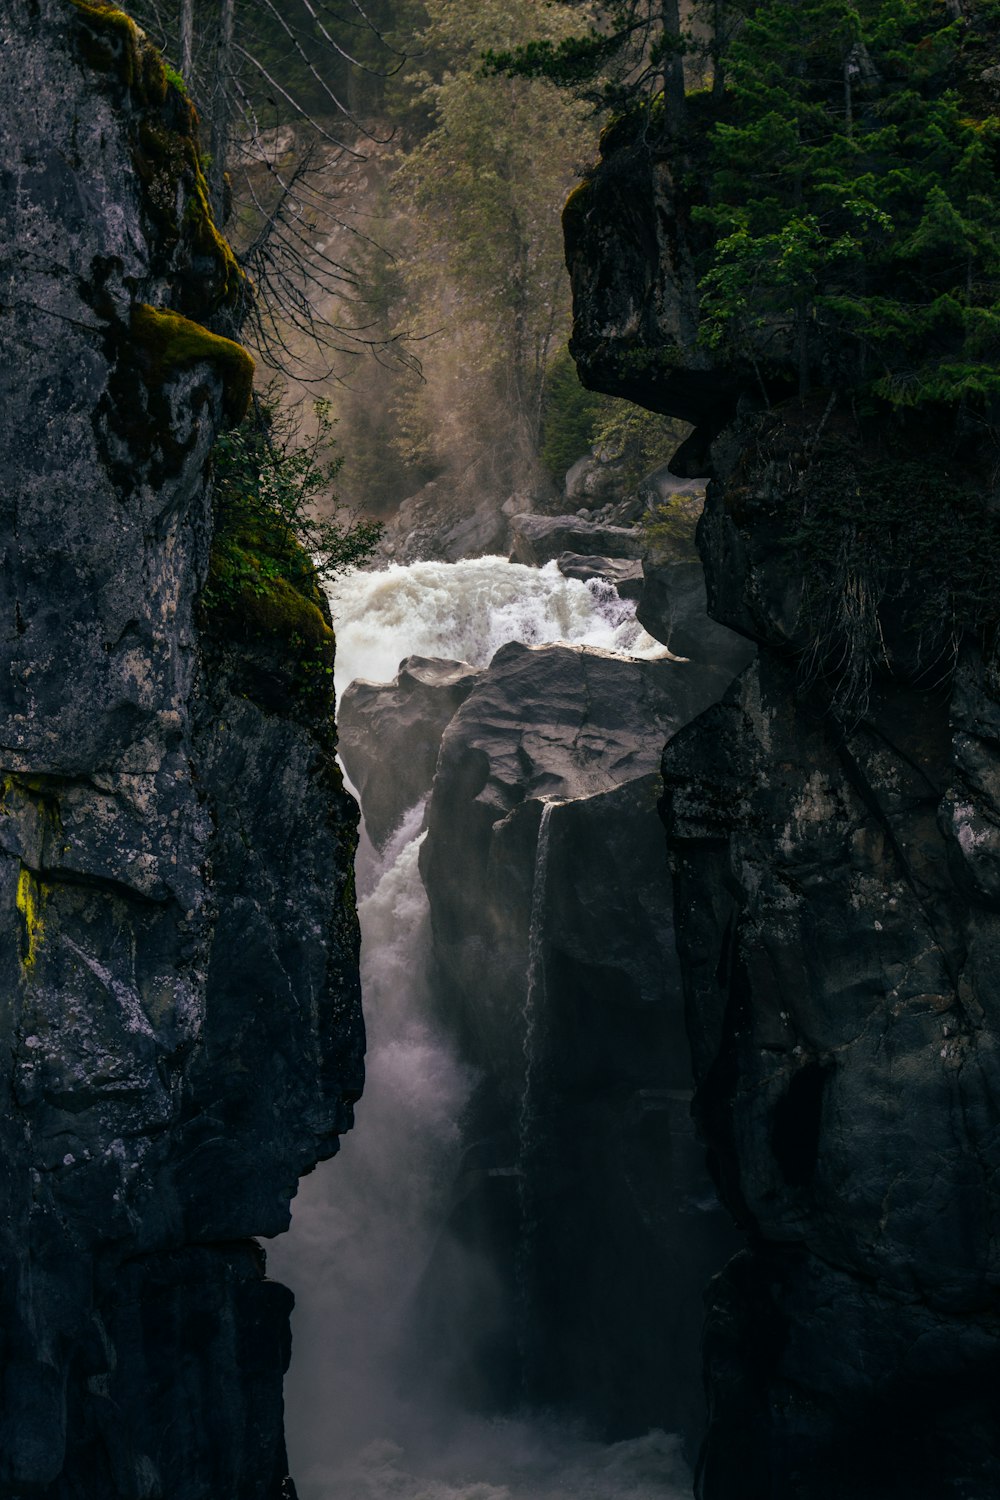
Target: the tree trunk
(220, 107)
(718, 48)
(673, 69)
(187, 40)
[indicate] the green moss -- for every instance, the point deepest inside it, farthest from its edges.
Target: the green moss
(117, 45)
(575, 207)
(262, 600)
(206, 239)
(265, 605)
(170, 165)
(175, 80)
(163, 126)
(30, 899)
(112, 21)
(167, 343)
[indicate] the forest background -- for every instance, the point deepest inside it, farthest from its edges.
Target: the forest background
(397, 204)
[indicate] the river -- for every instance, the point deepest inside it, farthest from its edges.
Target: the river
(360, 1426)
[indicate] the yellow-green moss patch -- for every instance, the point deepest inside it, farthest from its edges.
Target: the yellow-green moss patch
(167, 343)
(29, 905)
(276, 608)
(116, 44)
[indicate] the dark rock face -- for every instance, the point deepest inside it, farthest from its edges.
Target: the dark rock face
(536, 540)
(634, 288)
(840, 996)
(390, 735)
(584, 1187)
(834, 833)
(181, 1034)
(672, 607)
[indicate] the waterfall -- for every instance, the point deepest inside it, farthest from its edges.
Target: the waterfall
(361, 1424)
(532, 1012)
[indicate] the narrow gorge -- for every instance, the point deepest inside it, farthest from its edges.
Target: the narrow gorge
(662, 887)
(489, 1276)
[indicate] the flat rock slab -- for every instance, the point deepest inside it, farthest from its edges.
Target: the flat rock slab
(536, 540)
(623, 575)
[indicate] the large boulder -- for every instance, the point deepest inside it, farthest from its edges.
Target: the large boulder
(584, 1190)
(593, 482)
(536, 540)
(390, 734)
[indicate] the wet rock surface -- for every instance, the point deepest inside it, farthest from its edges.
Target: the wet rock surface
(536, 540)
(583, 1192)
(181, 1033)
(624, 577)
(833, 833)
(839, 1005)
(405, 720)
(673, 608)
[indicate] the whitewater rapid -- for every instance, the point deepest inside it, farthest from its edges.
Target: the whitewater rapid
(365, 1419)
(466, 611)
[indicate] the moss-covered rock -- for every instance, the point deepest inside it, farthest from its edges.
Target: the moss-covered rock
(167, 343)
(162, 129)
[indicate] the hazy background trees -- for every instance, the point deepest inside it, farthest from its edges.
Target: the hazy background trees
(396, 204)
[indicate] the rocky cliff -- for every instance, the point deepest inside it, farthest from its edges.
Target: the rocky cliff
(834, 827)
(180, 1033)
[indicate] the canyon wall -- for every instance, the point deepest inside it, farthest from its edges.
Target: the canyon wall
(834, 829)
(180, 1035)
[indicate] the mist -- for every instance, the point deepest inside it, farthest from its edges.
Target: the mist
(372, 1409)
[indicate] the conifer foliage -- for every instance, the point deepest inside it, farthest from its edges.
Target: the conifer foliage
(844, 173)
(852, 196)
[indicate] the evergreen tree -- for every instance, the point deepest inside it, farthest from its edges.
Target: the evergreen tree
(853, 203)
(484, 187)
(631, 50)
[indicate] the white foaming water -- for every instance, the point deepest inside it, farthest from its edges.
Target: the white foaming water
(532, 1011)
(365, 1225)
(515, 1461)
(466, 611)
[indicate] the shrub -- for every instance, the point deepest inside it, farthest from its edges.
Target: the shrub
(570, 418)
(271, 542)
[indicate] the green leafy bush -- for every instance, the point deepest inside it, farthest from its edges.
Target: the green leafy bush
(670, 529)
(643, 440)
(275, 534)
